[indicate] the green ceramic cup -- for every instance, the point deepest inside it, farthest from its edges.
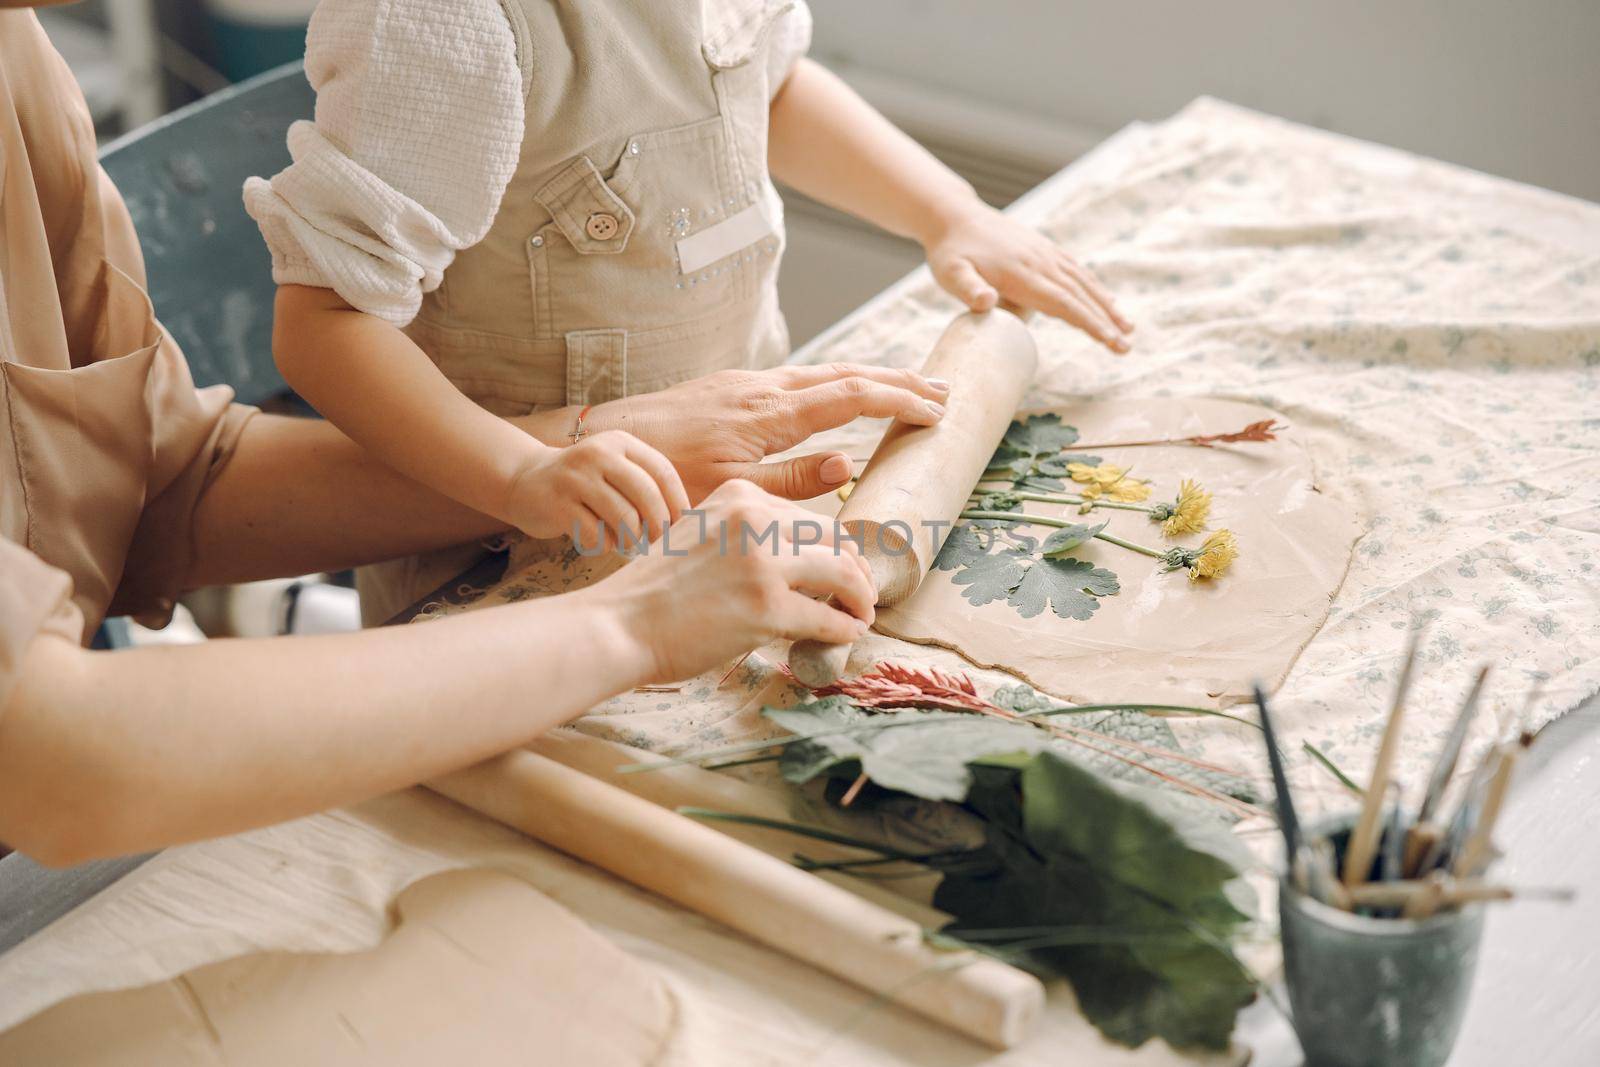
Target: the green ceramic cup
(1376, 992)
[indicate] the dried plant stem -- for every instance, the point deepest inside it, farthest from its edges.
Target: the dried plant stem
(736, 665)
(831, 836)
(956, 692)
(749, 747)
(1048, 498)
(1239, 806)
(1153, 750)
(1142, 550)
(1265, 430)
(1154, 441)
(1047, 520)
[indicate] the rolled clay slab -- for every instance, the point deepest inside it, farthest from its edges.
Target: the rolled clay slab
(919, 477)
(464, 977)
(759, 895)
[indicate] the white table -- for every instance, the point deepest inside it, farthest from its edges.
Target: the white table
(1533, 1000)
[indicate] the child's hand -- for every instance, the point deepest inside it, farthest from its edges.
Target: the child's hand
(983, 257)
(607, 486)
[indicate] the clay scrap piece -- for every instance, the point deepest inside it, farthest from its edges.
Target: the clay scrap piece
(1162, 638)
(481, 968)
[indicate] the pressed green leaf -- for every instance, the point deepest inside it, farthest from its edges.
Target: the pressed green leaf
(1070, 587)
(1035, 435)
(998, 502)
(993, 577)
(964, 545)
(1051, 466)
(1064, 540)
(1020, 466)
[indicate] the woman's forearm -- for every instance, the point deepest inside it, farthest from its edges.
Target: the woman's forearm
(379, 388)
(105, 753)
(833, 146)
(297, 496)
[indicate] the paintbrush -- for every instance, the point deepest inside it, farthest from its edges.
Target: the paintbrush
(1445, 765)
(1363, 845)
(1475, 854)
(1427, 898)
(1423, 842)
(1451, 893)
(1440, 842)
(1324, 884)
(1280, 784)
(1392, 862)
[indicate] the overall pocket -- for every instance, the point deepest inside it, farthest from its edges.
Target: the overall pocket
(651, 247)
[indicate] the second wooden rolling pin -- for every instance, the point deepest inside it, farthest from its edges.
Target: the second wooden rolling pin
(759, 895)
(919, 478)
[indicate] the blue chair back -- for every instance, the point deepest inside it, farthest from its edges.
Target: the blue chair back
(210, 274)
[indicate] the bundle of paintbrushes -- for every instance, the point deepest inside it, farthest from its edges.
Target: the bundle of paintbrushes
(1395, 863)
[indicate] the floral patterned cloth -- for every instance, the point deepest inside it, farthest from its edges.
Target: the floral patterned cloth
(1434, 336)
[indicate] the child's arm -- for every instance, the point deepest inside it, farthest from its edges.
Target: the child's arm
(369, 379)
(830, 144)
(415, 136)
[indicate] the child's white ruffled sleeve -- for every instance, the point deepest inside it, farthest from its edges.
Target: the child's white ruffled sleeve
(418, 128)
(791, 40)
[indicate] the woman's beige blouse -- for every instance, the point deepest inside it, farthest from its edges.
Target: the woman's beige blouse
(105, 444)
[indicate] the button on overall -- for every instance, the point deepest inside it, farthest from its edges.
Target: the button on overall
(602, 226)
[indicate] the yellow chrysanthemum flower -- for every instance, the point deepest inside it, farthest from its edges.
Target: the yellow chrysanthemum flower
(1189, 513)
(1214, 556)
(1109, 481)
(1104, 474)
(1128, 491)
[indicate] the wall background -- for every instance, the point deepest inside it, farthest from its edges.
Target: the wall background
(1510, 88)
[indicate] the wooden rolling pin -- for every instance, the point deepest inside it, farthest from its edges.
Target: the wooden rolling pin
(744, 888)
(919, 477)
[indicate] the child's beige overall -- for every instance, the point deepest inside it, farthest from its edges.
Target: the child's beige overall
(638, 243)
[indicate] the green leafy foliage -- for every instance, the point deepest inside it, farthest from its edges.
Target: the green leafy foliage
(1067, 848)
(1070, 587)
(1034, 436)
(930, 761)
(923, 753)
(1031, 451)
(1087, 871)
(990, 570)
(993, 576)
(1061, 543)
(999, 502)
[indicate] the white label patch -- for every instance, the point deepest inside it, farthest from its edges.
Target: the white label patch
(724, 239)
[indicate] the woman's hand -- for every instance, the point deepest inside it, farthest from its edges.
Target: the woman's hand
(607, 487)
(722, 426)
(982, 257)
(748, 574)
